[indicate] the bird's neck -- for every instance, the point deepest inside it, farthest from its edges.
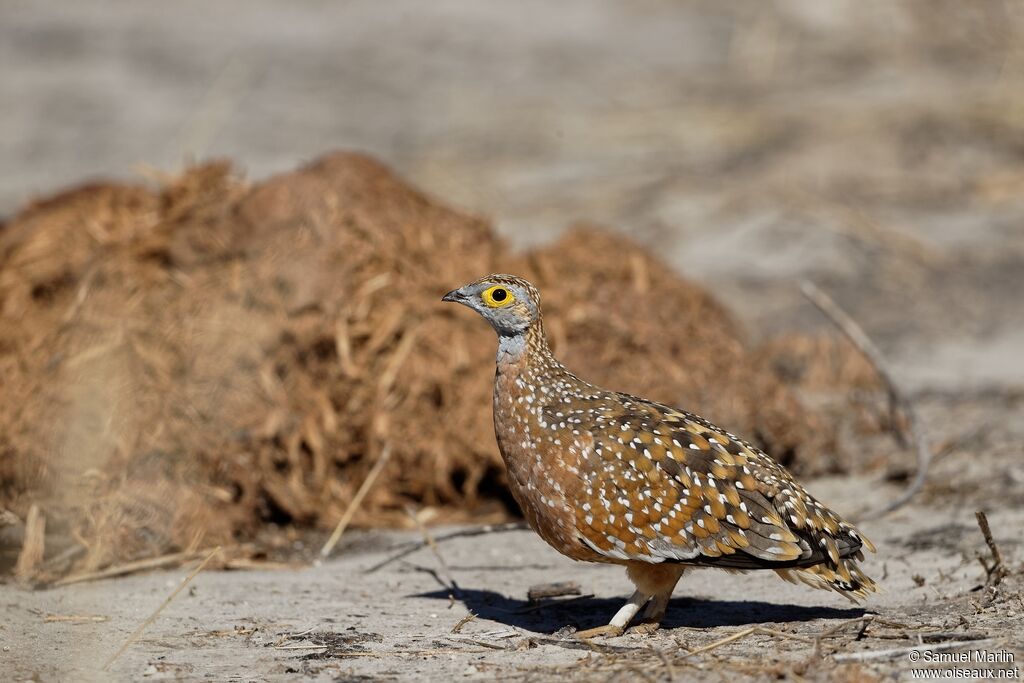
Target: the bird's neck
(527, 348)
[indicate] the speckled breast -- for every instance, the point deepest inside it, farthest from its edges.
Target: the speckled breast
(542, 461)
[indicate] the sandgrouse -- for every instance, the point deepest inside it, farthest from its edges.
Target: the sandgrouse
(608, 477)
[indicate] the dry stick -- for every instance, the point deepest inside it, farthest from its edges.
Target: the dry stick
(346, 517)
(130, 567)
(863, 621)
(63, 557)
(743, 634)
(245, 563)
(463, 533)
(997, 571)
(552, 603)
(415, 653)
(462, 622)
(34, 545)
(816, 639)
(429, 540)
(152, 617)
(481, 643)
(855, 333)
(552, 590)
(901, 651)
(589, 645)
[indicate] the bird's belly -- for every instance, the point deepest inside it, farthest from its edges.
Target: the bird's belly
(542, 473)
(546, 497)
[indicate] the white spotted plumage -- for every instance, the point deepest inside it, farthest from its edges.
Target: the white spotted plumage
(617, 478)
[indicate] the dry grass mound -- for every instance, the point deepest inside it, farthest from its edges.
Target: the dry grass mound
(181, 366)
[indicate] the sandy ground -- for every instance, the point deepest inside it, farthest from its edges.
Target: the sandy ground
(353, 619)
(874, 149)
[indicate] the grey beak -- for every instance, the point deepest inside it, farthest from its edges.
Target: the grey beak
(454, 295)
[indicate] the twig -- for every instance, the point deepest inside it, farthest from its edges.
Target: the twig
(292, 636)
(501, 633)
(897, 400)
(429, 540)
(63, 557)
(295, 636)
(464, 533)
(574, 644)
(997, 571)
(481, 643)
(245, 563)
(554, 603)
(898, 652)
(862, 631)
(863, 621)
(552, 590)
(758, 630)
(462, 622)
(856, 334)
(130, 567)
(74, 618)
(223, 633)
(346, 517)
(33, 547)
(152, 617)
(415, 653)
(938, 636)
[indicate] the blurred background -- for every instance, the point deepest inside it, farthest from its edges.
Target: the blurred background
(874, 148)
(748, 143)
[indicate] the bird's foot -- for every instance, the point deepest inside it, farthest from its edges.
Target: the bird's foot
(607, 630)
(645, 628)
(621, 620)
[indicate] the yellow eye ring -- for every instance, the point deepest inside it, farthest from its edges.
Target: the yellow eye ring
(497, 296)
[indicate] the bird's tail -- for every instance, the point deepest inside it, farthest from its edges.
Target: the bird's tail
(844, 577)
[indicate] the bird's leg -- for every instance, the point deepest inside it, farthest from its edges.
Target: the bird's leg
(650, 618)
(654, 585)
(661, 580)
(621, 619)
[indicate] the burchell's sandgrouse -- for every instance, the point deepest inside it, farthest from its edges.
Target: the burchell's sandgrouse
(609, 477)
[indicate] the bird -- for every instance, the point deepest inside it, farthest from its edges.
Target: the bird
(604, 476)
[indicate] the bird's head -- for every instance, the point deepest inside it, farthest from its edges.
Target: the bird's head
(509, 303)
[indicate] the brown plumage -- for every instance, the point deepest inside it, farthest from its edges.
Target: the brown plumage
(608, 477)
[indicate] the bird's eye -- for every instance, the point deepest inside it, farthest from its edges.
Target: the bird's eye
(497, 296)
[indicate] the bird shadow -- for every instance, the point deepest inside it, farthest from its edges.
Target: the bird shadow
(587, 611)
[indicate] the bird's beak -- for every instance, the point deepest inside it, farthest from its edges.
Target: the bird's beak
(454, 295)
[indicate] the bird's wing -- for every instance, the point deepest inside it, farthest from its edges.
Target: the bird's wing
(665, 485)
